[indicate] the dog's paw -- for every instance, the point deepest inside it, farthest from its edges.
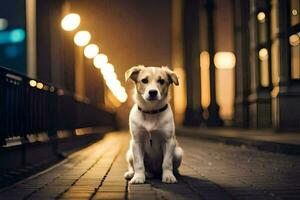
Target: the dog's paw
(138, 179)
(168, 177)
(128, 175)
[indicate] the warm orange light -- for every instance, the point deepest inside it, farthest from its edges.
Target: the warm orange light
(117, 90)
(261, 16)
(91, 50)
(82, 38)
(111, 99)
(225, 90)
(294, 12)
(40, 85)
(32, 83)
(179, 92)
(113, 83)
(263, 54)
(107, 70)
(70, 22)
(110, 76)
(224, 60)
(100, 61)
(294, 40)
(204, 73)
(204, 59)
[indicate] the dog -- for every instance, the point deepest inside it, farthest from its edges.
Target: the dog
(153, 147)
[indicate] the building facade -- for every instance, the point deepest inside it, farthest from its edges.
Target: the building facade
(261, 89)
(268, 50)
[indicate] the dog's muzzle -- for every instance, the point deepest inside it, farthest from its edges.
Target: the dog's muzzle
(152, 95)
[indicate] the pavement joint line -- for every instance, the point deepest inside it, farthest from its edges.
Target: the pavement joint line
(107, 172)
(126, 190)
(70, 158)
(76, 180)
(43, 186)
(34, 176)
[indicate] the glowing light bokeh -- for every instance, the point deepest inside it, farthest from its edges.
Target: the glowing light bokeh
(263, 54)
(82, 38)
(70, 22)
(113, 83)
(40, 85)
(100, 60)
(294, 40)
(261, 16)
(204, 74)
(17, 35)
(224, 60)
(91, 50)
(32, 83)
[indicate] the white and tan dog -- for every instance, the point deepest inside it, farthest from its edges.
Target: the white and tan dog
(153, 147)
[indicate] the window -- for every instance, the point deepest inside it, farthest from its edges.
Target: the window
(294, 39)
(262, 27)
(295, 55)
(274, 18)
(275, 62)
(275, 55)
(262, 21)
(263, 56)
(294, 12)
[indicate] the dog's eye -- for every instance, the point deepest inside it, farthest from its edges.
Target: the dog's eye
(145, 80)
(161, 81)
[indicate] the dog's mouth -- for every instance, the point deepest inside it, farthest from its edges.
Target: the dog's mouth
(152, 98)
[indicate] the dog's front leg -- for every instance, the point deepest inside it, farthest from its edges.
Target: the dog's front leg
(167, 165)
(138, 163)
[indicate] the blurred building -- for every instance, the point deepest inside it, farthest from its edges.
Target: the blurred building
(255, 87)
(238, 60)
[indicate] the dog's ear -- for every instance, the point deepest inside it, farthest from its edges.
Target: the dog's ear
(133, 72)
(173, 78)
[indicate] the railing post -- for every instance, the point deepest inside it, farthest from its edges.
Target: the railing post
(2, 107)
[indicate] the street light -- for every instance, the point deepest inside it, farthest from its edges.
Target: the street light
(32, 83)
(82, 38)
(107, 70)
(91, 50)
(70, 22)
(263, 54)
(224, 60)
(100, 60)
(40, 85)
(110, 78)
(261, 17)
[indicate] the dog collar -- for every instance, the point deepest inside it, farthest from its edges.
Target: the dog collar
(154, 111)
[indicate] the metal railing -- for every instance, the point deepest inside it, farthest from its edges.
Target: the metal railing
(29, 107)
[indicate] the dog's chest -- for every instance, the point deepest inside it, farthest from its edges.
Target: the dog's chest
(151, 123)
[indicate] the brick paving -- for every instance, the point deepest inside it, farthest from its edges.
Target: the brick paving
(209, 171)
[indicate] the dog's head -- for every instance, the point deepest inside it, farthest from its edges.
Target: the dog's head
(152, 83)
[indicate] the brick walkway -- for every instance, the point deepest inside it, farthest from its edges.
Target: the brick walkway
(209, 171)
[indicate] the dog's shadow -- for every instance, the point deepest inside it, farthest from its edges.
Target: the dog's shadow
(187, 187)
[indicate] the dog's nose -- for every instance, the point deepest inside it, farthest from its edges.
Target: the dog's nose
(152, 93)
